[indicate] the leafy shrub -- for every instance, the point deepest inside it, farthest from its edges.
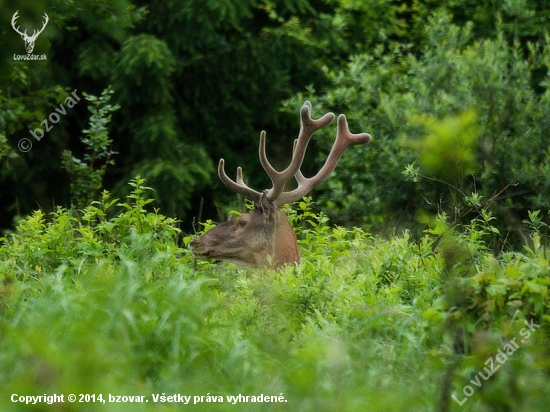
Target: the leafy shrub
(503, 163)
(87, 174)
(77, 239)
(103, 302)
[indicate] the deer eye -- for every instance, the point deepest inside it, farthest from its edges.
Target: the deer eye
(242, 223)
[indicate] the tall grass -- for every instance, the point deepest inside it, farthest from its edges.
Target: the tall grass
(105, 302)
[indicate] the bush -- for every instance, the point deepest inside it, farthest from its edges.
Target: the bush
(478, 99)
(103, 303)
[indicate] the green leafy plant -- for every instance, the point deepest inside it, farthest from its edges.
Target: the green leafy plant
(108, 303)
(87, 173)
(429, 152)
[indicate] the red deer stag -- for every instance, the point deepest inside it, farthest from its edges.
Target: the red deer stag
(264, 237)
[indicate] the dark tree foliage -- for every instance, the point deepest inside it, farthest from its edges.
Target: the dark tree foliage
(458, 130)
(192, 77)
(31, 90)
(197, 80)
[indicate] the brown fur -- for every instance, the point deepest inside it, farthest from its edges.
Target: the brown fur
(261, 238)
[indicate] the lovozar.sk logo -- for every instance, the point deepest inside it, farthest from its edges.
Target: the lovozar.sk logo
(29, 40)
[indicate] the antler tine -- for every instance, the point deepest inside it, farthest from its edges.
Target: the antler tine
(344, 139)
(37, 32)
(15, 17)
(308, 127)
(239, 186)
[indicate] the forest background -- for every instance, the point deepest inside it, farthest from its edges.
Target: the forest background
(423, 254)
(198, 80)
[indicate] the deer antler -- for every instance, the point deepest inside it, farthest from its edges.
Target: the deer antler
(35, 32)
(239, 186)
(344, 139)
(308, 126)
(15, 16)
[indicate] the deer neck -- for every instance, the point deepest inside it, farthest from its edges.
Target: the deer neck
(282, 241)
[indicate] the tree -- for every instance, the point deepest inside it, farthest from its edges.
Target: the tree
(403, 100)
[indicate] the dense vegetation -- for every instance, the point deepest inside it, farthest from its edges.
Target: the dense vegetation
(100, 305)
(197, 80)
(424, 256)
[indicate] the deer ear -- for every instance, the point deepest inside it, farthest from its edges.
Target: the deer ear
(268, 209)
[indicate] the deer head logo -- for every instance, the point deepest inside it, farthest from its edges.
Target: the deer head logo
(29, 40)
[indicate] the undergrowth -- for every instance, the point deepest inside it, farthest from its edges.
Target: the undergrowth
(105, 300)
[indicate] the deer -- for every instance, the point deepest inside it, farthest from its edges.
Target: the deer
(29, 40)
(263, 238)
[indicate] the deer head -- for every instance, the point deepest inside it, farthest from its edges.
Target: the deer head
(29, 40)
(264, 237)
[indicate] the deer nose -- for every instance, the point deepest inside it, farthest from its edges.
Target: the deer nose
(197, 245)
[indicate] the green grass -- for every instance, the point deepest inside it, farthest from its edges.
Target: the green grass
(105, 302)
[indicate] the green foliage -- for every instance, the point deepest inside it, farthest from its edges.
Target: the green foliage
(152, 142)
(86, 174)
(71, 240)
(519, 20)
(446, 151)
(102, 299)
(386, 91)
(197, 81)
(30, 90)
(112, 305)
